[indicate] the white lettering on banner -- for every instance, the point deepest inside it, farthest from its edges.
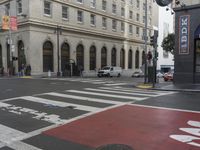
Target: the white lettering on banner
(184, 34)
(194, 134)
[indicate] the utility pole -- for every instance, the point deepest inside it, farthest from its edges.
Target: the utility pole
(145, 38)
(58, 31)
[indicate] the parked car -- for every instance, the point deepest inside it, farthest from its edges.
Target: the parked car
(168, 76)
(160, 75)
(110, 71)
(138, 74)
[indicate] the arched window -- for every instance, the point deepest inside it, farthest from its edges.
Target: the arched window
(65, 55)
(48, 56)
(1, 57)
(130, 59)
(21, 55)
(114, 57)
(137, 61)
(80, 56)
(122, 58)
(143, 57)
(103, 57)
(92, 58)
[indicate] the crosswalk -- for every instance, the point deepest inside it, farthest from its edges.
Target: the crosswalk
(91, 81)
(27, 116)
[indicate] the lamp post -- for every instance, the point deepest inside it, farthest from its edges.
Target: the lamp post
(145, 38)
(58, 32)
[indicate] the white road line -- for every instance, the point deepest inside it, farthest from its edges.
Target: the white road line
(155, 93)
(164, 108)
(146, 91)
(107, 95)
(114, 84)
(9, 135)
(91, 81)
(18, 145)
(84, 98)
(103, 82)
(119, 92)
(60, 104)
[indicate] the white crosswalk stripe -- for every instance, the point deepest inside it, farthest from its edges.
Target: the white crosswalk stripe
(84, 98)
(60, 104)
(91, 81)
(106, 95)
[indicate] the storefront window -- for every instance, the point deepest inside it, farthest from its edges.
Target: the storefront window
(197, 56)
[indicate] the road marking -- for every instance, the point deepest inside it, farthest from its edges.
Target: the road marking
(52, 118)
(60, 104)
(128, 93)
(165, 108)
(9, 135)
(114, 84)
(84, 98)
(107, 95)
(192, 138)
(18, 145)
(144, 90)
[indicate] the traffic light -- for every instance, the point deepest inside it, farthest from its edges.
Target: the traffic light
(14, 58)
(163, 3)
(152, 40)
(149, 55)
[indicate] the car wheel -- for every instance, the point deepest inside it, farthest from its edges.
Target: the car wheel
(108, 74)
(119, 75)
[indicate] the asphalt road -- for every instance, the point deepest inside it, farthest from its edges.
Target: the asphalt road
(87, 113)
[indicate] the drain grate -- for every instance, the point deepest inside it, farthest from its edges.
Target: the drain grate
(115, 147)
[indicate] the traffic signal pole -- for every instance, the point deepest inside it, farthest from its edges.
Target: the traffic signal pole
(145, 66)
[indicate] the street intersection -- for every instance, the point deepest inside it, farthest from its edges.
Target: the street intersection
(80, 114)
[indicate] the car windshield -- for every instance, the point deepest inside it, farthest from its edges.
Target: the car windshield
(106, 68)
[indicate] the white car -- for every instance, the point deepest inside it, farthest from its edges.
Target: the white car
(110, 71)
(138, 74)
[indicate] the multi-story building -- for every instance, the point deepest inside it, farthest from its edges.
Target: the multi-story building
(91, 33)
(187, 41)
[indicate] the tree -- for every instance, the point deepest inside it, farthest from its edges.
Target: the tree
(168, 43)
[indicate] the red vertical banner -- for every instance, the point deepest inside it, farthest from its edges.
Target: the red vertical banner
(13, 23)
(5, 22)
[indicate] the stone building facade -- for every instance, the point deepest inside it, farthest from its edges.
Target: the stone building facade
(91, 33)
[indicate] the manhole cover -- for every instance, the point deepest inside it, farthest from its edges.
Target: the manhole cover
(115, 147)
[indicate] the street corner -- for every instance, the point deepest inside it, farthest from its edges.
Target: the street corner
(144, 86)
(26, 77)
(129, 125)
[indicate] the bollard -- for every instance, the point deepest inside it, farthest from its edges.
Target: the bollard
(49, 73)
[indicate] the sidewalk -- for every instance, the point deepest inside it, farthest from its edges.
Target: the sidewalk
(171, 87)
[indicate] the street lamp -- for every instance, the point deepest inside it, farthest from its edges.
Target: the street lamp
(145, 38)
(58, 32)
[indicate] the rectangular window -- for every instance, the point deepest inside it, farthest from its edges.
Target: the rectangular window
(93, 3)
(7, 9)
(122, 27)
(137, 17)
(130, 14)
(104, 3)
(80, 1)
(114, 24)
(19, 6)
(130, 29)
(104, 22)
(65, 12)
(122, 12)
(137, 31)
(92, 20)
(80, 16)
(114, 8)
(138, 4)
(131, 2)
(47, 8)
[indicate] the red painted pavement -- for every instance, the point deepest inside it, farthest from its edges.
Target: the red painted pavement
(139, 127)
